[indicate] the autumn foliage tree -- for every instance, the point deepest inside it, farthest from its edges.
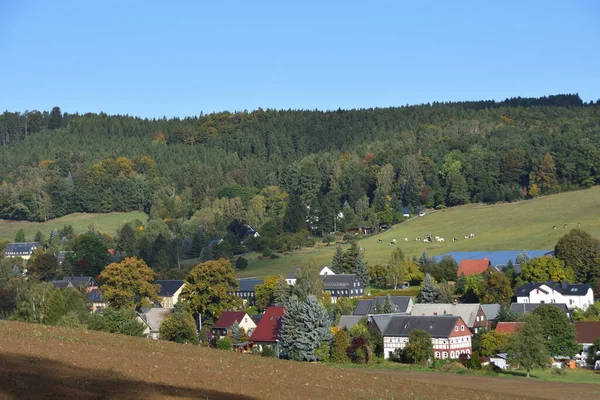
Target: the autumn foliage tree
(209, 289)
(128, 284)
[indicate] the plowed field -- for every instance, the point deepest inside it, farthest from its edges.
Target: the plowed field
(47, 362)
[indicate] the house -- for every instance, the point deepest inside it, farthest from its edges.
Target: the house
(491, 311)
(524, 308)
(586, 333)
(473, 267)
(402, 305)
(573, 295)
(23, 250)
(450, 335)
(246, 290)
(169, 292)
(62, 255)
(268, 328)
(342, 285)
(78, 282)
(152, 319)
(500, 360)
(405, 212)
(228, 318)
(509, 327)
(348, 321)
(504, 267)
(95, 301)
(291, 276)
(250, 233)
(471, 314)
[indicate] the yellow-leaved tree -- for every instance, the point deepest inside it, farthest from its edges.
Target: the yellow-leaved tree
(128, 284)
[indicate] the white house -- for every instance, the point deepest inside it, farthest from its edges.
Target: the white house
(169, 292)
(574, 296)
(500, 360)
(291, 276)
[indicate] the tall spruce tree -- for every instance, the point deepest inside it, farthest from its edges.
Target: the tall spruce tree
(337, 264)
(282, 292)
(428, 292)
(388, 306)
(294, 219)
(361, 270)
(377, 306)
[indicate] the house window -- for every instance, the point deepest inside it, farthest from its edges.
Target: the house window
(456, 328)
(437, 354)
(462, 328)
(451, 354)
(571, 301)
(553, 301)
(445, 355)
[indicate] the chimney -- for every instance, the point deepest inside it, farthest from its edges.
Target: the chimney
(564, 284)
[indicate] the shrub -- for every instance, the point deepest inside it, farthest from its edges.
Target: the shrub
(179, 327)
(70, 320)
(558, 371)
(268, 351)
(322, 352)
(223, 343)
(339, 348)
(241, 263)
(397, 355)
(114, 321)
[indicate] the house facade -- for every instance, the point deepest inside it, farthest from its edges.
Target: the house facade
(291, 276)
(342, 285)
(228, 318)
(574, 296)
(450, 335)
(471, 314)
(246, 292)
(169, 292)
(152, 319)
(23, 250)
(268, 328)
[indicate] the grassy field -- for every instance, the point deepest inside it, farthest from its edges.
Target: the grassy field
(512, 226)
(107, 223)
(38, 361)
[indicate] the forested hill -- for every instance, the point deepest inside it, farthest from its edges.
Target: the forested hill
(266, 166)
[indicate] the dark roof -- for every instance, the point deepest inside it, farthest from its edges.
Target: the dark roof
(292, 273)
(247, 285)
(440, 326)
(256, 318)
(580, 289)
(587, 332)
(503, 267)
(348, 321)
(341, 281)
(61, 284)
(228, 318)
(269, 325)
(168, 287)
(77, 281)
(365, 307)
(524, 308)
(62, 255)
(21, 248)
(95, 296)
(405, 210)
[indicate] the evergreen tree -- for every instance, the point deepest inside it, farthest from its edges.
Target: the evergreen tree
(505, 314)
(388, 305)
(339, 348)
(282, 292)
(294, 218)
(236, 332)
(39, 237)
(20, 236)
(361, 270)
(522, 257)
(55, 119)
(377, 308)
(126, 241)
(428, 292)
(458, 190)
(308, 282)
(198, 244)
(349, 258)
(337, 264)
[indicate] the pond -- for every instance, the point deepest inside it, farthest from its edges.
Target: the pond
(496, 257)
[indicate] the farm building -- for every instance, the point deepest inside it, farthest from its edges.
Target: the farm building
(152, 319)
(509, 327)
(450, 335)
(268, 328)
(524, 308)
(291, 276)
(342, 285)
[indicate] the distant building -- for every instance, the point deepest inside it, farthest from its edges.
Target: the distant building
(152, 319)
(473, 267)
(342, 285)
(169, 292)
(491, 311)
(402, 305)
(23, 250)
(472, 314)
(246, 292)
(509, 327)
(78, 282)
(526, 308)
(291, 276)
(573, 295)
(228, 318)
(268, 328)
(61, 256)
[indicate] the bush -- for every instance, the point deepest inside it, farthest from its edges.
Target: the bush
(179, 327)
(268, 351)
(71, 320)
(322, 352)
(241, 263)
(397, 355)
(339, 348)
(558, 371)
(224, 343)
(113, 321)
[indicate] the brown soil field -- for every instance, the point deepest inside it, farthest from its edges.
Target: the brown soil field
(37, 362)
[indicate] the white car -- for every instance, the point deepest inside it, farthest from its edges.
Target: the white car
(421, 213)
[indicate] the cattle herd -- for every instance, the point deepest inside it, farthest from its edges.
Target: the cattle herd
(429, 239)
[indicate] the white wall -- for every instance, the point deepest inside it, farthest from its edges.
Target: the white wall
(572, 302)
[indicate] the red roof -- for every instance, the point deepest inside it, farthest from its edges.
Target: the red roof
(508, 327)
(228, 318)
(269, 325)
(473, 267)
(587, 332)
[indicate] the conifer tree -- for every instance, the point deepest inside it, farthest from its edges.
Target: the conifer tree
(282, 292)
(337, 264)
(377, 306)
(236, 331)
(546, 175)
(361, 270)
(427, 293)
(388, 306)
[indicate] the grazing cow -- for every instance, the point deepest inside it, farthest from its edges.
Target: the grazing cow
(579, 224)
(554, 227)
(392, 243)
(455, 240)
(426, 240)
(472, 235)
(466, 236)
(565, 226)
(440, 239)
(417, 239)
(437, 238)
(405, 239)
(362, 249)
(379, 241)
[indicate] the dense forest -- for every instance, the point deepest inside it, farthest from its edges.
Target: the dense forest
(286, 172)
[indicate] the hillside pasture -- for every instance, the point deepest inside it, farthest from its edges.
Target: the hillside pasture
(38, 361)
(506, 226)
(106, 223)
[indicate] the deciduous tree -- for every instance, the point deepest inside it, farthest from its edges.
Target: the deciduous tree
(557, 330)
(526, 348)
(265, 292)
(419, 348)
(128, 284)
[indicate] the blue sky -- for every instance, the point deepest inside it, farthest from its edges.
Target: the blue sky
(178, 58)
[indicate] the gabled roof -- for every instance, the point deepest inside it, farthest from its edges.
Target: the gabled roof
(61, 284)
(524, 308)
(21, 247)
(436, 326)
(491, 311)
(155, 316)
(587, 332)
(405, 210)
(95, 296)
(503, 267)
(473, 267)
(292, 273)
(467, 312)
(340, 281)
(228, 318)
(77, 281)
(325, 270)
(168, 287)
(269, 325)
(567, 289)
(247, 285)
(348, 321)
(508, 327)
(365, 307)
